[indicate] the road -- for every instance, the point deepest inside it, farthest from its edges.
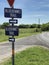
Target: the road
(22, 43)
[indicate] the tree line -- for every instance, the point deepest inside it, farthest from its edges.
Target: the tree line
(43, 27)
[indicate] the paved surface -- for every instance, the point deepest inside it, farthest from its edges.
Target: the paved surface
(20, 44)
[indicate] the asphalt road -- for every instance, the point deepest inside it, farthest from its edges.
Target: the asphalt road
(22, 43)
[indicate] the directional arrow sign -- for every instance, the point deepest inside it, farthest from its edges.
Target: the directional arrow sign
(12, 39)
(11, 2)
(13, 21)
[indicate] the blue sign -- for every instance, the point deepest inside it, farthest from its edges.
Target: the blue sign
(12, 39)
(12, 13)
(14, 21)
(12, 30)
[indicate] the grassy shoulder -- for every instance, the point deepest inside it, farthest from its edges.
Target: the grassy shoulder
(31, 56)
(22, 33)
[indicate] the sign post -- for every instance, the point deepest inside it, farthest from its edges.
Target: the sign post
(12, 45)
(12, 30)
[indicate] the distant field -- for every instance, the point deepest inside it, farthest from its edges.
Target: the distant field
(22, 33)
(31, 56)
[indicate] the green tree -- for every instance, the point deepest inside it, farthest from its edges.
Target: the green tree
(4, 25)
(45, 27)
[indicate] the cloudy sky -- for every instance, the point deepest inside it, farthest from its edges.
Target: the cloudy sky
(32, 10)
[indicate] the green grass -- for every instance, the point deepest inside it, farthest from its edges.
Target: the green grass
(31, 56)
(22, 33)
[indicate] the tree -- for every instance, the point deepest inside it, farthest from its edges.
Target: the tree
(4, 25)
(24, 26)
(33, 26)
(45, 27)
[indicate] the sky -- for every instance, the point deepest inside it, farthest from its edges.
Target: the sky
(32, 11)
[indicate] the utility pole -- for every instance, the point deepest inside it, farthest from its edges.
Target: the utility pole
(39, 22)
(39, 25)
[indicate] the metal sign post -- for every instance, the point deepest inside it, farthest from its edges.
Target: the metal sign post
(12, 46)
(12, 30)
(12, 49)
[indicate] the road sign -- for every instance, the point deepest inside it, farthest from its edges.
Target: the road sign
(12, 39)
(11, 2)
(13, 21)
(12, 30)
(12, 13)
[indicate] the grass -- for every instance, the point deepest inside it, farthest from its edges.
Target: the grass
(22, 33)
(31, 56)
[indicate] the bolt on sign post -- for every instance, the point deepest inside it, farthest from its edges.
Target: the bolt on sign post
(12, 30)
